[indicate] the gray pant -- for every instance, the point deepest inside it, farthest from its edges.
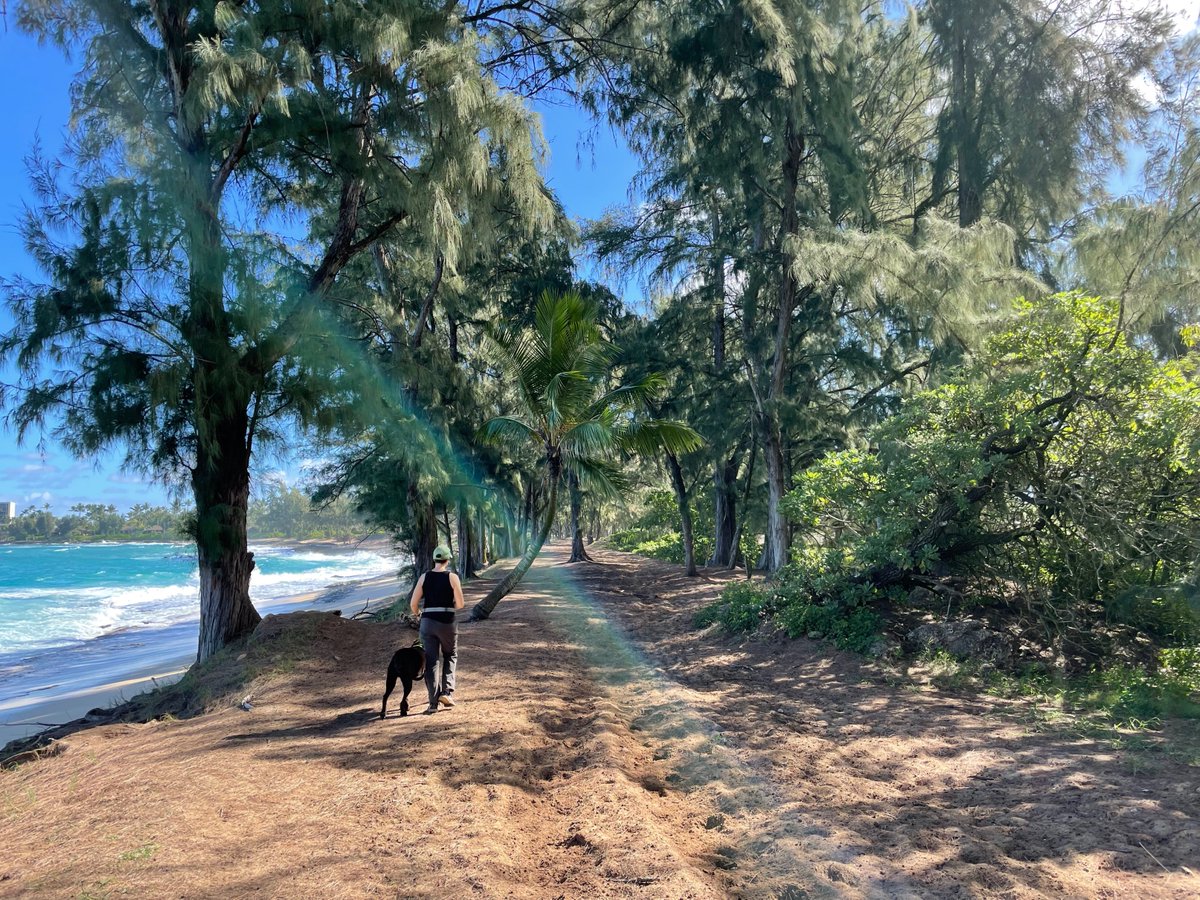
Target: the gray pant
(439, 637)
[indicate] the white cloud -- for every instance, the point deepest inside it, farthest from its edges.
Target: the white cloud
(38, 497)
(126, 478)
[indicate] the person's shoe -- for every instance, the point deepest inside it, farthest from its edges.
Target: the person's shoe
(446, 700)
(432, 709)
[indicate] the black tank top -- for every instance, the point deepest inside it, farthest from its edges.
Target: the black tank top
(438, 593)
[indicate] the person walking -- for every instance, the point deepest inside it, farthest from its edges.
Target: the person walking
(442, 592)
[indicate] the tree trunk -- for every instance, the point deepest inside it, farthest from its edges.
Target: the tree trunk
(484, 607)
(578, 551)
(970, 165)
(741, 525)
(724, 470)
(484, 536)
(775, 549)
(425, 534)
(221, 485)
(685, 514)
(224, 425)
(527, 514)
(510, 533)
(724, 511)
(463, 564)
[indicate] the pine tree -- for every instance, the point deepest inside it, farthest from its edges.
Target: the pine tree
(230, 162)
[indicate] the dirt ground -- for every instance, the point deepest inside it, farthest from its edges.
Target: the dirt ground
(601, 748)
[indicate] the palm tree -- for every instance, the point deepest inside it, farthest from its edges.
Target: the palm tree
(560, 367)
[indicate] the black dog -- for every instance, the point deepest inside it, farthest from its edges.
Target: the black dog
(408, 664)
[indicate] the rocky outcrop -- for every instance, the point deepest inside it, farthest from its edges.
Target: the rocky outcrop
(964, 639)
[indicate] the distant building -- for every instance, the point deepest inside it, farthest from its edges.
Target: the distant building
(8, 511)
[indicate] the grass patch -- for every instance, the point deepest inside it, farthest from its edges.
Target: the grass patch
(146, 851)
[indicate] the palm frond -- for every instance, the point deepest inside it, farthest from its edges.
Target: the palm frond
(501, 430)
(632, 396)
(567, 398)
(648, 437)
(602, 477)
(590, 440)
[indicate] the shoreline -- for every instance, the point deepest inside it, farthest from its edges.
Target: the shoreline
(114, 667)
(374, 542)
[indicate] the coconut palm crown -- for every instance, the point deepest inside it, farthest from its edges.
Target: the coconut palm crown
(562, 367)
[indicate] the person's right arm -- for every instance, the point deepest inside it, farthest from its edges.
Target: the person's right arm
(418, 593)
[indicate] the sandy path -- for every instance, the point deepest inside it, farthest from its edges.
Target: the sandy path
(602, 748)
(531, 787)
(887, 791)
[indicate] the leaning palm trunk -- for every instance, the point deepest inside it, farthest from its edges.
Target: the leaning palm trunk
(484, 607)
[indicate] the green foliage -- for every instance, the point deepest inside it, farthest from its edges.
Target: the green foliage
(744, 606)
(1062, 462)
(1166, 612)
(287, 512)
(655, 532)
(666, 546)
(97, 522)
(281, 512)
(569, 412)
(1097, 703)
(741, 609)
(569, 409)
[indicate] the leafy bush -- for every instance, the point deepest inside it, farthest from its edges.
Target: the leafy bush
(741, 609)
(1061, 469)
(1131, 696)
(1166, 612)
(744, 605)
(1125, 697)
(655, 533)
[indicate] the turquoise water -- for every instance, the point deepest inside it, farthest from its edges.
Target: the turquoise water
(60, 596)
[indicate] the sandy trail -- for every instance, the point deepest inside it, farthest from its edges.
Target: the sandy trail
(601, 748)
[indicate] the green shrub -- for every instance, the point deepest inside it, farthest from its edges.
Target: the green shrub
(666, 546)
(741, 609)
(744, 605)
(1062, 464)
(1132, 696)
(850, 629)
(1165, 612)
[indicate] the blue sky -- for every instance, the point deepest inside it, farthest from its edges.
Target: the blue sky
(589, 167)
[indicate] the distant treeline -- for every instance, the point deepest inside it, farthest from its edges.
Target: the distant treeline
(284, 512)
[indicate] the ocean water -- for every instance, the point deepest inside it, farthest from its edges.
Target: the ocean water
(61, 596)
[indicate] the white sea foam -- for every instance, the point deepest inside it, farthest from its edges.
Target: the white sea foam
(43, 617)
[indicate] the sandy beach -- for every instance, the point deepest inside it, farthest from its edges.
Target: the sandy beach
(117, 666)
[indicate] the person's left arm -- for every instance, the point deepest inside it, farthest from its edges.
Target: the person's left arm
(459, 602)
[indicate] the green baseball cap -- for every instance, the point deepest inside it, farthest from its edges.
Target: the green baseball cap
(442, 553)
